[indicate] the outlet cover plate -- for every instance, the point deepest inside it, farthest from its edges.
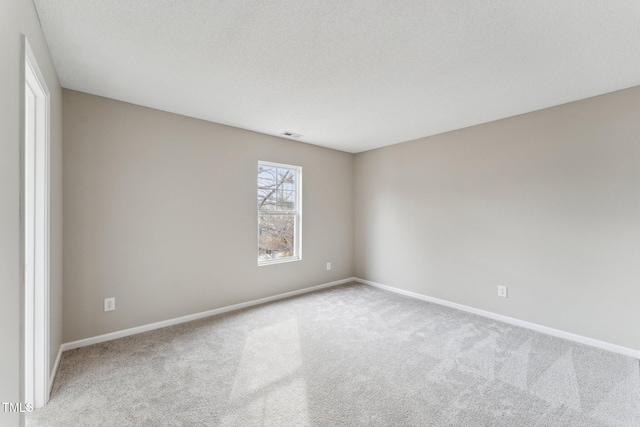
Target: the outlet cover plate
(109, 304)
(502, 291)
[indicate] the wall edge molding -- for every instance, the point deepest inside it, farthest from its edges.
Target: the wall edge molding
(54, 371)
(190, 317)
(603, 345)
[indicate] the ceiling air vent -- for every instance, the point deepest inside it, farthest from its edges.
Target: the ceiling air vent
(291, 135)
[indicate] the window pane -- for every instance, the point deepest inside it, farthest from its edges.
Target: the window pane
(286, 179)
(286, 200)
(267, 177)
(276, 238)
(266, 199)
(276, 188)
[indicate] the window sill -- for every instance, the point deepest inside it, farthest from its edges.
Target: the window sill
(278, 261)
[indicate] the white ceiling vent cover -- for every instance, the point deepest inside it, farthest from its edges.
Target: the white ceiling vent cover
(291, 135)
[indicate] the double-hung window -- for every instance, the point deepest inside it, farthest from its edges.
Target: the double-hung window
(279, 213)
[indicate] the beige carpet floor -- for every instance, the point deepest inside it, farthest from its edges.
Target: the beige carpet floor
(351, 355)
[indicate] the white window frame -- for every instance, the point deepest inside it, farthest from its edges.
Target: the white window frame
(297, 242)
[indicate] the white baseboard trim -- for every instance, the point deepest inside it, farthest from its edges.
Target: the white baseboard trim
(513, 321)
(149, 327)
(54, 371)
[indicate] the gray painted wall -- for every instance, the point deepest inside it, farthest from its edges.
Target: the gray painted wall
(18, 17)
(160, 212)
(547, 203)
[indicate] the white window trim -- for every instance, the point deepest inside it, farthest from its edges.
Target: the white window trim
(298, 221)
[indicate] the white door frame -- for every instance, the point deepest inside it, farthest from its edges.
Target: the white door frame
(35, 229)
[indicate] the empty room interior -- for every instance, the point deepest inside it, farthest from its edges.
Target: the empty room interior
(372, 213)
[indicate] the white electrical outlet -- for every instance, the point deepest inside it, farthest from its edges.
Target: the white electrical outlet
(502, 291)
(110, 304)
(328, 266)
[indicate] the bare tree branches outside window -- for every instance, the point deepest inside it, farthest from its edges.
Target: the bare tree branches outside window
(277, 212)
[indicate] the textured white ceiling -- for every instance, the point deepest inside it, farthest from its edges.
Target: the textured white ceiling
(350, 75)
